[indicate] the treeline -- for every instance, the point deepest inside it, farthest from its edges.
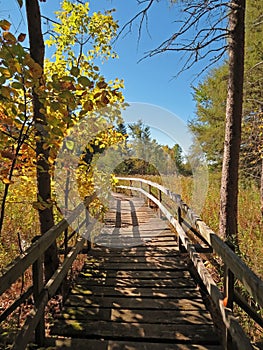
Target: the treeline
(140, 154)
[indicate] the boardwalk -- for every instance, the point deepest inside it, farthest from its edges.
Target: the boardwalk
(135, 290)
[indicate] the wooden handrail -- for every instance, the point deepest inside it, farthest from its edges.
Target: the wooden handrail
(234, 265)
(250, 280)
(42, 293)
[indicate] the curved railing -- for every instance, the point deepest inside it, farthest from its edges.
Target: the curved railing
(235, 269)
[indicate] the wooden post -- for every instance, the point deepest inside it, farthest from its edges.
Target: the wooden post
(150, 192)
(141, 195)
(130, 186)
(87, 222)
(38, 284)
(160, 200)
(65, 242)
(179, 219)
(229, 288)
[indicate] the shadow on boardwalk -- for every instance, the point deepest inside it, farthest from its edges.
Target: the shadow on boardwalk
(135, 290)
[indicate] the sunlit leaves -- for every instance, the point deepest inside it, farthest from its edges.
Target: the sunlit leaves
(84, 81)
(70, 88)
(5, 25)
(9, 37)
(6, 181)
(70, 145)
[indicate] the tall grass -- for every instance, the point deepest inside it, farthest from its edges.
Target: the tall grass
(250, 223)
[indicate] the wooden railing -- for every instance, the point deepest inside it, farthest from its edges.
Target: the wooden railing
(235, 269)
(42, 292)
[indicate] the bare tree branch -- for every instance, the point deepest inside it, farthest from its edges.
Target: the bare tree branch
(206, 21)
(142, 14)
(49, 19)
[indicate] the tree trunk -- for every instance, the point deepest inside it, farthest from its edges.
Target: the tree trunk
(37, 50)
(261, 188)
(228, 223)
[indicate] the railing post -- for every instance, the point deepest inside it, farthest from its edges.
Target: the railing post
(229, 287)
(141, 195)
(150, 192)
(160, 200)
(180, 219)
(65, 242)
(87, 222)
(38, 284)
(130, 181)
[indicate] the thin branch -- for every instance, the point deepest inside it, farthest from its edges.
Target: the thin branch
(195, 13)
(50, 20)
(142, 14)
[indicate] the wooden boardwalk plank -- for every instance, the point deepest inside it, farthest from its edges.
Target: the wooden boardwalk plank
(94, 344)
(135, 297)
(147, 331)
(136, 315)
(133, 291)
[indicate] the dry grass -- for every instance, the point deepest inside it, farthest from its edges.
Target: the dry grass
(22, 218)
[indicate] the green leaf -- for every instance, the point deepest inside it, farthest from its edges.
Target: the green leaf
(55, 106)
(84, 81)
(75, 71)
(2, 80)
(67, 78)
(17, 85)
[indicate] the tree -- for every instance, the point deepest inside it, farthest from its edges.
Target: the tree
(229, 183)
(144, 155)
(37, 52)
(210, 96)
(15, 123)
(208, 125)
(63, 91)
(211, 38)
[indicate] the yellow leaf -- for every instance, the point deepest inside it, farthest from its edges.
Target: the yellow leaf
(5, 72)
(51, 160)
(6, 181)
(4, 24)
(9, 37)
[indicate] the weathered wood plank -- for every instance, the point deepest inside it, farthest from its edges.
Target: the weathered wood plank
(95, 344)
(136, 291)
(136, 330)
(137, 266)
(135, 251)
(129, 273)
(137, 259)
(137, 315)
(135, 302)
(178, 282)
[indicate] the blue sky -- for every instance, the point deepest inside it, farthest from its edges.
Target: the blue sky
(148, 82)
